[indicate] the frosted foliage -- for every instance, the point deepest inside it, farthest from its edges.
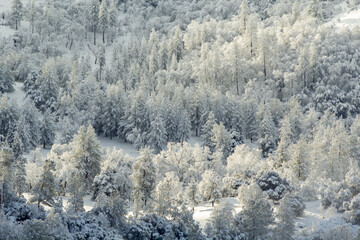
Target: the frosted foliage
(244, 159)
(210, 186)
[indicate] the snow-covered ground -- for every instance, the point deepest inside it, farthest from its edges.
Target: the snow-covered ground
(204, 210)
(315, 217)
(88, 203)
(19, 94)
(126, 147)
(347, 19)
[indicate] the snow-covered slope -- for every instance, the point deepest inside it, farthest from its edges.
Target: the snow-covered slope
(315, 217)
(348, 19)
(18, 94)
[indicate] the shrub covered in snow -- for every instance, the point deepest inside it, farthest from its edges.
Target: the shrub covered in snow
(355, 209)
(152, 226)
(273, 185)
(20, 211)
(297, 204)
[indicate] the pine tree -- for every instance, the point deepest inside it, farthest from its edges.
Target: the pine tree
(103, 19)
(221, 140)
(256, 215)
(6, 79)
(112, 18)
(94, 16)
(244, 16)
(210, 186)
(86, 154)
(299, 162)
(282, 152)
(47, 87)
(285, 225)
(113, 110)
(77, 191)
(163, 54)
(166, 194)
(7, 174)
(184, 127)
(157, 134)
(47, 131)
(206, 130)
(144, 176)
(192, 194)
(153, 61)
(44, 190)
(32, 15)
(16, 12)
(220, 222)
(20, 171)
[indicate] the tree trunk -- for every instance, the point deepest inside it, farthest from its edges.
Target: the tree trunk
(237, 87)
(94, 28)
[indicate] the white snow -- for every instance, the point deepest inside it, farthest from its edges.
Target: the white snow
(88, 203)
(203, 211)
(348, 19)
(315, 217)
(19, 94)
(126, 147)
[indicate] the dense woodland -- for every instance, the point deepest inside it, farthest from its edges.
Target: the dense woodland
(270, 87)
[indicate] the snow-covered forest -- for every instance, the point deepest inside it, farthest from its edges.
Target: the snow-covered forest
(180, 119)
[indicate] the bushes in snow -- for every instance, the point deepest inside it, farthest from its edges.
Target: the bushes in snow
(273, 185)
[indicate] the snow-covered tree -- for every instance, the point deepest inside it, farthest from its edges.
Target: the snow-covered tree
(157, 135)
(16, 12)
(299, 159)
(103, 18)
(221, 140)
(7, 174)
(144, 176)
(244, 14)
(44, 191)
(219, 225)
(210, 186)
(86, 154)
(93, 16)
(47, 130)
(6, 79)
(256, 215)
(20, 171)
(192, 197)
(285, 226)
(166, 194)
(77, 191)
(206, 130)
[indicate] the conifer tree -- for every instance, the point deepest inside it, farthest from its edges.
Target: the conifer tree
(47, 131)
(206, 130)
(285, 226)
(256, 215)
(103, 19)
(144, 176)
(157, 135)
(192, 194)
(210, 186)
(7, 174)
(244, 15)
(76, 191)
(44, 190)
(299, 162)
(86, 154)
(94, 16)
(20, 171)
(16, 12)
